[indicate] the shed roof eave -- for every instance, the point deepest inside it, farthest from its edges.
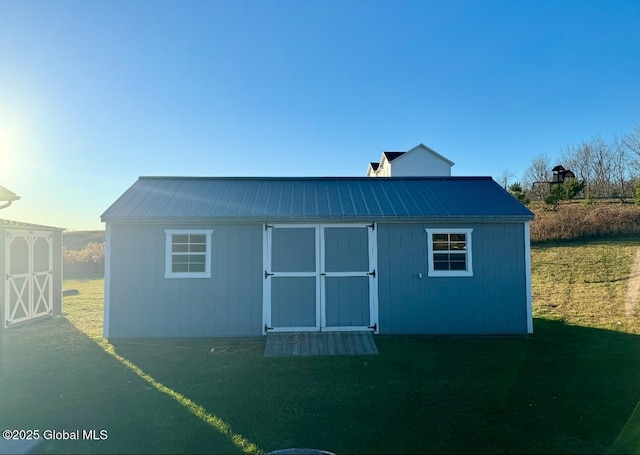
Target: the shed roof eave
(312, 220)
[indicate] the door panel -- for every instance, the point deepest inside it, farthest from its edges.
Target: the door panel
(42, 265)
(347, 301)
(346, 249)
(293, 278)
(293, 250)
(293, 302)
(18, 283)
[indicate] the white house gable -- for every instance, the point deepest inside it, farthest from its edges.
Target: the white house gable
(419, 161)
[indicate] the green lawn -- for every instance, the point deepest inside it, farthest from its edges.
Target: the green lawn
(572, 387)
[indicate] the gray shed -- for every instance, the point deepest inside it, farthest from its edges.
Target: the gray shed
(209, 257)
(31, 271)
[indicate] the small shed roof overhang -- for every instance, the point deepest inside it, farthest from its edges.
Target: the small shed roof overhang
(30, 226)
(7, 197)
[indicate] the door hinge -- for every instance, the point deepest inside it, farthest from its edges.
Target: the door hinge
(374, 327)
(267, 328)
(267, 226)
(372, 226)
(373, 274)
(267, 274)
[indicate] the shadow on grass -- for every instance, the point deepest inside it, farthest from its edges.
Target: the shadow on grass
(54, 377)
(565, 389)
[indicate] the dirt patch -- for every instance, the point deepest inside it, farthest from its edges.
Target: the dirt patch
(633, 289)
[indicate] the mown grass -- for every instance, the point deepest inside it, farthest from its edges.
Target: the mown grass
(572, 387)
(585, 283)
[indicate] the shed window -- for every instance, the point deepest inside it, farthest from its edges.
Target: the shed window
(188, 254)
(449, 252)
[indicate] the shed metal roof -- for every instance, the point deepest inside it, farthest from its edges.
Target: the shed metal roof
(296, 199)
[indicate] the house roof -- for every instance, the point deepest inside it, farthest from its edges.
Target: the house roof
(392, 155)
(305, 199)
(22, 225)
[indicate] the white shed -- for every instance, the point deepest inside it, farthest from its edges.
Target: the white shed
(31, 271)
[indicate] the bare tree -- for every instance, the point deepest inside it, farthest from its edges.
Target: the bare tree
(607, 168)
(579, 159)
(539, 171)
(506, 177)
(631, 142)
(620, 166)
(601, 157)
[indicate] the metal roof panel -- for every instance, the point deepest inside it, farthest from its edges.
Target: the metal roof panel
(254, 198)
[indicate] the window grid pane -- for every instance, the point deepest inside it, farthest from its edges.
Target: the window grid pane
(449, 252)
(188, 253)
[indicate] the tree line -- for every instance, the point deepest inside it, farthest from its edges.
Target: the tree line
(602, 169)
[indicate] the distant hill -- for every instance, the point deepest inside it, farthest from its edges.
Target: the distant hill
(78, 240)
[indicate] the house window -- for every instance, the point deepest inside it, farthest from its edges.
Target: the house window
(449, 252)
(188, 254)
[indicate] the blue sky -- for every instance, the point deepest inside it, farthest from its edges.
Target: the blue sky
(94, 94)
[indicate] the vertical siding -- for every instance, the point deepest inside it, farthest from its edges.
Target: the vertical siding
(420, 163)
(143, 303)
(492, 301)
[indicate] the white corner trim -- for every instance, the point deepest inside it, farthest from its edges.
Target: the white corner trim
(107, 279)
(168, 255)
(469, 253)
(373, 282)
(527, 271)
(266, 284)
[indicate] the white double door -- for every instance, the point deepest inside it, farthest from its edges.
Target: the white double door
(320, 277)
(28, 279)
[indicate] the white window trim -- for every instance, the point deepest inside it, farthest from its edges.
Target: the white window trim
(430, 252)
(168, 254)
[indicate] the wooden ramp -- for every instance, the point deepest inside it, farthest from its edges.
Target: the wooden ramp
(285, 344)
